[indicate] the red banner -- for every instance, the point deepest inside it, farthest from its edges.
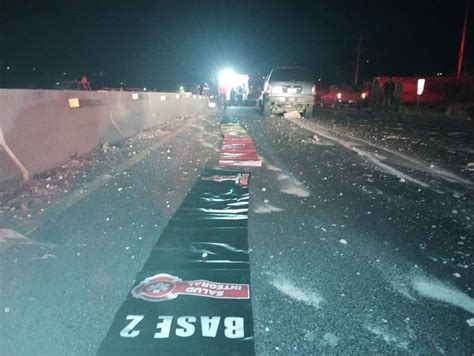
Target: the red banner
(164, 286)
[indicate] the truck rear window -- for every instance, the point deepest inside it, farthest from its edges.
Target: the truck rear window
(291, 74)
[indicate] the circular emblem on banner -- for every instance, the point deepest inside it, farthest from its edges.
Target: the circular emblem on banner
(156, 288)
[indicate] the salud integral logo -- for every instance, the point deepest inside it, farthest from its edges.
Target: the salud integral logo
(166, 287)
(241, 179)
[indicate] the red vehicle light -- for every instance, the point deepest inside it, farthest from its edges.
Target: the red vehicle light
(339, 96)
(313, 90)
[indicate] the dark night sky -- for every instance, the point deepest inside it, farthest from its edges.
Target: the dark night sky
(164, 43)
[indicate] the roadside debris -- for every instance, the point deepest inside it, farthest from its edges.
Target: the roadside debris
(22, 203)
(44, 257)
(10, 236)
(312, 139)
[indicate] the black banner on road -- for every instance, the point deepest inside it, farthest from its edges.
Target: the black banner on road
(193, 294)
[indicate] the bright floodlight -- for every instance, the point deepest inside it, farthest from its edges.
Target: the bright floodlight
(226, 77)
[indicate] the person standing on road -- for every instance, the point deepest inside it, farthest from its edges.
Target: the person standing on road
(375, 94)
(397, 93)
(232, 96)
(213, 89)
(222, 96)
(240, 95)
(388, 93)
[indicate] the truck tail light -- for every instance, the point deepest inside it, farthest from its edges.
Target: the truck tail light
(313, 90)
(339, 96)
(363, 95)
(269, 89)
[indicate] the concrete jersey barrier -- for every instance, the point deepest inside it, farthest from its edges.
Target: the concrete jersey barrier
(42, 129)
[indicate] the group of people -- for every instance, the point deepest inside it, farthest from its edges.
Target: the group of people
(237, 95)
(215, 91)
(388, 95)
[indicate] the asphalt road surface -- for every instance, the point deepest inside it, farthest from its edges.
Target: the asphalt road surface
(356, 247)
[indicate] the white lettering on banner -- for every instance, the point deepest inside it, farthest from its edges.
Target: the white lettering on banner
(234, 328)
(215, 286)
(210, 325)
(185, 326)
(204, 291)
(164, 327)
(127, 331)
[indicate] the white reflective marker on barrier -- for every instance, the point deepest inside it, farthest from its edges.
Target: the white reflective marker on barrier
(135, 96)
(163, 98)
(177, 96)
(211, 104)
(420, 86)
(74, 103)
(194, 96)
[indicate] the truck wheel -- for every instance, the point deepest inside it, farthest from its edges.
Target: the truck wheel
(266, 110)
(308, 113)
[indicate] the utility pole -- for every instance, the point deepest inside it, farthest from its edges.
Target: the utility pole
(356, 78)
(463, 40)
